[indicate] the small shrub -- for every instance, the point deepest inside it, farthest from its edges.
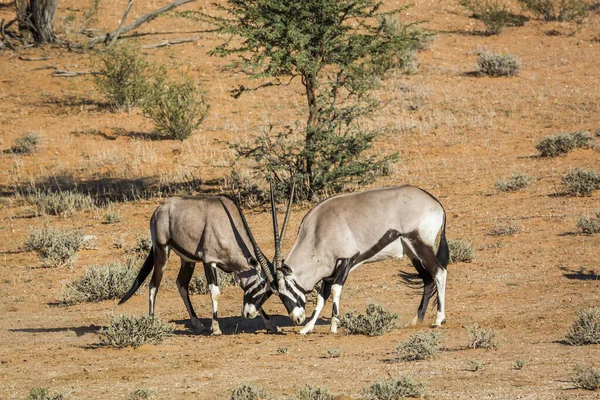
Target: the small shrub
(311, 393)
(586, 328)
(587, 378)
(590, 225)
(247, 392)
(481, 338)
(375, 322)
(493, 13)
(460, 251)
(143, 245)
(244, 189)
(283, 350)
(394, 389)
(125, 330)
(199, 285)
(420, 346)
(333, 352)
(504, 229)
(474, 365)
(562, 143)
(514, 183)
(176, 108)
(497, 65)
(109, 281)
(43, 394)
(112, 217)
(26, 144)
(558, 10)
(581, 182)
(55, 247)
(519, 364)
(63, 203)
(140, 394)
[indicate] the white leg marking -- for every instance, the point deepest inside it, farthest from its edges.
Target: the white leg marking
(336, 291)
(440, 283)
(152, 299)
(311, 324)
(215, 293)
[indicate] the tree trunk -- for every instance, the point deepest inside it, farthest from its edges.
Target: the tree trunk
(311, 124)
(36, 20)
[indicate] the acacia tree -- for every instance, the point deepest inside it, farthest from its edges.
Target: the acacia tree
(340, 50)
(36, 20)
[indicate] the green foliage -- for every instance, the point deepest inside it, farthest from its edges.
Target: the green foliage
(420, 346)
(375, 322)
(26, 144)
(581, 182)
(54, 246)
(460, 251)
(586, 328)
(519, 364)
(142, 246)
(394, 389)
(474, 365)
(497, 65)
(587, 378)
(38, 393)
(590, 225)
(176, 108)
(98, 283)
(63, 203)
(481, 338)
(247, 392)
(562, 143)
(125, 330)
(121, 76)
(514, 183)
(112, 217)
(493, 13)
(333, 352)
(283, 350)
(340, 49)
(199, 285)
(558, 10)
(311, 393)
(140, 394)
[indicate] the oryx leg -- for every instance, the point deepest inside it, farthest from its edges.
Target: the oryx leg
(340, 275)
(161, 256)
(210, 269)
(271, 327)
(183, 283)
(322, 297)
(428, 291)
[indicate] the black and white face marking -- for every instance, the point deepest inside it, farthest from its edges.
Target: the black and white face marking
(291, 295)
(256, 291)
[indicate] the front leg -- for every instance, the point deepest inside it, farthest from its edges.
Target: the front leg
(322, 297)
(211, 278)
(341, 274)
(271, 327)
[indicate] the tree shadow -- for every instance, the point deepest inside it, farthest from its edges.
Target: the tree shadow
(79, 330)
(71, 104)
(583, 274)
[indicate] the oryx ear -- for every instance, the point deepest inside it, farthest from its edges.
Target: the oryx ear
(252, 262)
(285, 270)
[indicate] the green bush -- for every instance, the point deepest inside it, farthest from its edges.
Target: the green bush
(26, 144)
(54, 246)
(112, 217)
(244, 190)
(140, 394)
(590, 225)
(125, 330)
(199, 285)
(394, 389)
(581, 182)
(175, 108)
(420, 346)
(562, 143)
(558, 10)
(514, 183)
(248, 392)
(497, 65)
(98, 283)
(310, 393)
(43, 394)
(375, 322)
(586, 328)
(493, 13)
(121, 76)
(587, 378)
(481, 338)
(62, 203)
(519, 364)
(474, 365)
(460, 251)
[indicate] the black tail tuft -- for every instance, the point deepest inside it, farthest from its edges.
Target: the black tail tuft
(143, 274)
(443, 251)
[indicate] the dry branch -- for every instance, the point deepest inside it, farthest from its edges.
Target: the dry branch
(120, 28)
(170, 42)
(4, 38)
(106, 38)
(67, 74)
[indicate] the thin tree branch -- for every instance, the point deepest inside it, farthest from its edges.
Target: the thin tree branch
(67, 74)
(4, 38)
(170, 42)
(120, 28)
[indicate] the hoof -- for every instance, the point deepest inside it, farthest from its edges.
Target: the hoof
(216, 332)
(305, 331)
(275, 329)
(197, 326)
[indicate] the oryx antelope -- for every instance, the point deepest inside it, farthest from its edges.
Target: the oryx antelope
(214, 231)
(348, 230)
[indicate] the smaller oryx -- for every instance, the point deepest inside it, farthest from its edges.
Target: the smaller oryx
(348, 230)
(214, 231)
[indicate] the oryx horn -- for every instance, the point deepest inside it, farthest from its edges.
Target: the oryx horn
(279, 239)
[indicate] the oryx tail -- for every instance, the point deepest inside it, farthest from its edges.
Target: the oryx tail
(147, 267)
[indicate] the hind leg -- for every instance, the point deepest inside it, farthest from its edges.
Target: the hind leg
(161, 256)
(428, 291)
(183, 283)
(440, 284)
(210, 269)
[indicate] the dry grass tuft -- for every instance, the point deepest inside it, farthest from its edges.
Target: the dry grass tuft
(586, 328)
(375, 322)
(125, 331)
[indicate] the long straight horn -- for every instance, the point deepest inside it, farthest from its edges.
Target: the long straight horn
(275, 226)
(285, 221)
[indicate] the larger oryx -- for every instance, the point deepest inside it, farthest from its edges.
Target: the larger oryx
(214, 231)
(348, 230)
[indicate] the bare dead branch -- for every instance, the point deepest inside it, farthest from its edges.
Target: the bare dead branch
(34, 58)
(68, 74)
(170, 43)
(120, 28)
(5, 40)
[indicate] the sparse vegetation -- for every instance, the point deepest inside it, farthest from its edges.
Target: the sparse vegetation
(26, 144)
(394, 389)
(497, 65)
(558, 10)
(474, 365)
(562, 143)
(112, 217)
(514, 183)
(39, 393)
(199, 285)
(419, 346)
(460, 251)
(500, 229)
(581, 182)
(375, 322)
(493, 13)
(519, 364)
(481, 338)
(311, 393)
(283, 350)
(62, 203)
(98, 283)
(333, 352)
(587, 378)
(141, 394)
(589, 225)
(586, 328)
(142, 246)
(126, 330)
(54, 246)
(248, 392)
